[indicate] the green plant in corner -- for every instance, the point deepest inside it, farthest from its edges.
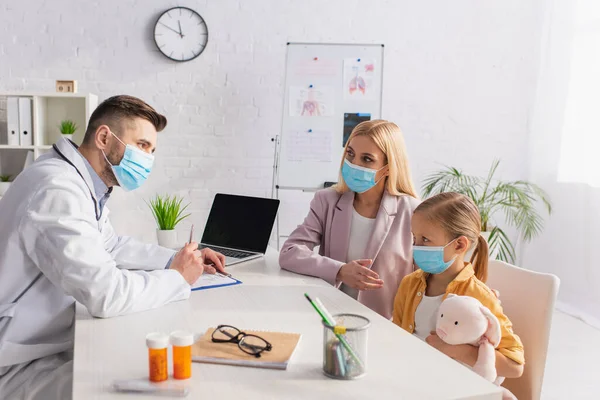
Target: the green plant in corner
(67, 127)
(5, 178)
(168, 211)
(516, 200)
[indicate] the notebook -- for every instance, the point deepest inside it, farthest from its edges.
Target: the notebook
(284, 346)
(210, 281)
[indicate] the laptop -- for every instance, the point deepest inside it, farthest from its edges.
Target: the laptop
(239, 227)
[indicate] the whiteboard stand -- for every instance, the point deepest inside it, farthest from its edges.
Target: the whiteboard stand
(324, 84)
(275, 188)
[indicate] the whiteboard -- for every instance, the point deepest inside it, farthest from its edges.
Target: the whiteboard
(325, 85)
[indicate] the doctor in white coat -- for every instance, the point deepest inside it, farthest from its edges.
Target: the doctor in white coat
(57, 246)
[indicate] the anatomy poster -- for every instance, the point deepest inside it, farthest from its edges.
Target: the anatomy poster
(311, 102)
(316, 67)
(309, 145)
(358, 78)
(350, 122)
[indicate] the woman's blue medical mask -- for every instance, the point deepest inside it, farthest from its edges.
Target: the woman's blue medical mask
(431, 258)
(359, 179)
(134, 168)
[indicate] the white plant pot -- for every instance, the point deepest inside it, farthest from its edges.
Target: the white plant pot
(4, 187)
(492, 255)
(67, 136)
(167, 238)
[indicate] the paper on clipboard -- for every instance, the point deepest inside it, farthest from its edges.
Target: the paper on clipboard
(211, 281)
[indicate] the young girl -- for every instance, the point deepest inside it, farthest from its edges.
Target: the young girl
(444, 228)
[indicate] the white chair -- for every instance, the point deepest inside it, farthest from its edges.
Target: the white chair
(528, 299)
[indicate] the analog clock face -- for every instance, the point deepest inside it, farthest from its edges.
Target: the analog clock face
(181, 34)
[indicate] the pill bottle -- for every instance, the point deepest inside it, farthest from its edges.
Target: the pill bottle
(182, 342)
(157, 344)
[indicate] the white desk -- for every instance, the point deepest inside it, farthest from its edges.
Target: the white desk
(399, 365)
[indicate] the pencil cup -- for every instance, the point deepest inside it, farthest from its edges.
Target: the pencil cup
(345, 347)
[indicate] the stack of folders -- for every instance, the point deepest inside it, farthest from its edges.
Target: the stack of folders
(19, 121)
(284, 346)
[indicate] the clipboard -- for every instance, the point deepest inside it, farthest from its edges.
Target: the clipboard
(208, 281)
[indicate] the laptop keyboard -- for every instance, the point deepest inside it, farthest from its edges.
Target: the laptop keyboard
(229, 252)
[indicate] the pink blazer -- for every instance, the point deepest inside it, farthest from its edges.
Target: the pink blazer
(328, 225)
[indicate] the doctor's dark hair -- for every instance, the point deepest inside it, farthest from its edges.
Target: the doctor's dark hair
(118, 110)
(458, 216)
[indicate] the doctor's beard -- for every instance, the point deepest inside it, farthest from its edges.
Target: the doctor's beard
(114, 156)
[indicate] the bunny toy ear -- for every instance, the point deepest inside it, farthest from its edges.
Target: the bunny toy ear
(493, 332)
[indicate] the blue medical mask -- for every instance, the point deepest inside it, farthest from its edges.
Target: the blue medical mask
(134, 168)
(431, 258)
(359, 179)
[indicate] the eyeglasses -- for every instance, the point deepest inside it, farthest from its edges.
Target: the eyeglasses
(249, 344)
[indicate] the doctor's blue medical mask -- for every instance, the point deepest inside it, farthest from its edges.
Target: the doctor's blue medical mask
(359, 179)
(431, 258)
(134, 168)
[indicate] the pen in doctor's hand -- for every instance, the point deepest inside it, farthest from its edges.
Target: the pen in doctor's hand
(221, 274)
(191, 234)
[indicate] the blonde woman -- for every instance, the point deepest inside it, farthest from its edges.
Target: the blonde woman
(362, 225)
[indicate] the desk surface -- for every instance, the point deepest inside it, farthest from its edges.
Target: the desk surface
(400, 366)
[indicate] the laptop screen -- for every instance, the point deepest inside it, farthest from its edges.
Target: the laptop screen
(240, 222)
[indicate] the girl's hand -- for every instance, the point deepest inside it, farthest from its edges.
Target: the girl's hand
(464, 353)
(356, 275)
(434, 340)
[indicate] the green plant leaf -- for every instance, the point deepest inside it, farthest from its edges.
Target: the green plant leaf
(67, 127)
(167, 211)
(517, 201)
(450, 179)
(488, 180)
(499, 241)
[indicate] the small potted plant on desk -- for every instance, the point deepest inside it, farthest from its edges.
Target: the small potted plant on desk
(67, 129)
(4, 184)
(168, 211)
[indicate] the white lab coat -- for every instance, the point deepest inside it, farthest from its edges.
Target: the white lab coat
(55, 250)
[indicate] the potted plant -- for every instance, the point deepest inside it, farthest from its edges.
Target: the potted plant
(168, 212)
(67, 128)
(516, 201)
(4, 184)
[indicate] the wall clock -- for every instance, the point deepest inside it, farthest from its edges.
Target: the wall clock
(181, 34)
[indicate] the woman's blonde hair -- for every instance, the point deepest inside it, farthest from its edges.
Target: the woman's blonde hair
(388, 137)
(459, 216)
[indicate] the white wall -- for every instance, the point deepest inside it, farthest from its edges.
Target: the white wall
(460, 79)
(568, 246)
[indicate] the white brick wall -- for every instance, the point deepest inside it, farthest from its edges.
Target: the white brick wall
(459, 79)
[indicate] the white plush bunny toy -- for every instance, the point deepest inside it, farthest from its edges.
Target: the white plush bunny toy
(464, 320)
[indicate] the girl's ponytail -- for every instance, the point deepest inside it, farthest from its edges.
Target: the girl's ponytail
(479, 259)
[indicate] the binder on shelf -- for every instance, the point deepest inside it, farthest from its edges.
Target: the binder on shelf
(25, 121)
(12, 121)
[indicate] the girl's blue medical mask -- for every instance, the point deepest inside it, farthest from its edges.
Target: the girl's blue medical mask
(431, 258)
(134, 168)
(359, 179)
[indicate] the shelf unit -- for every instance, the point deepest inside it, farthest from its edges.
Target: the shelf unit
(49, 109)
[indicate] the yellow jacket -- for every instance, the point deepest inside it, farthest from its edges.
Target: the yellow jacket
(412, 289)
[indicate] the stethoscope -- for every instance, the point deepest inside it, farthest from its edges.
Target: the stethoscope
(96, 205)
